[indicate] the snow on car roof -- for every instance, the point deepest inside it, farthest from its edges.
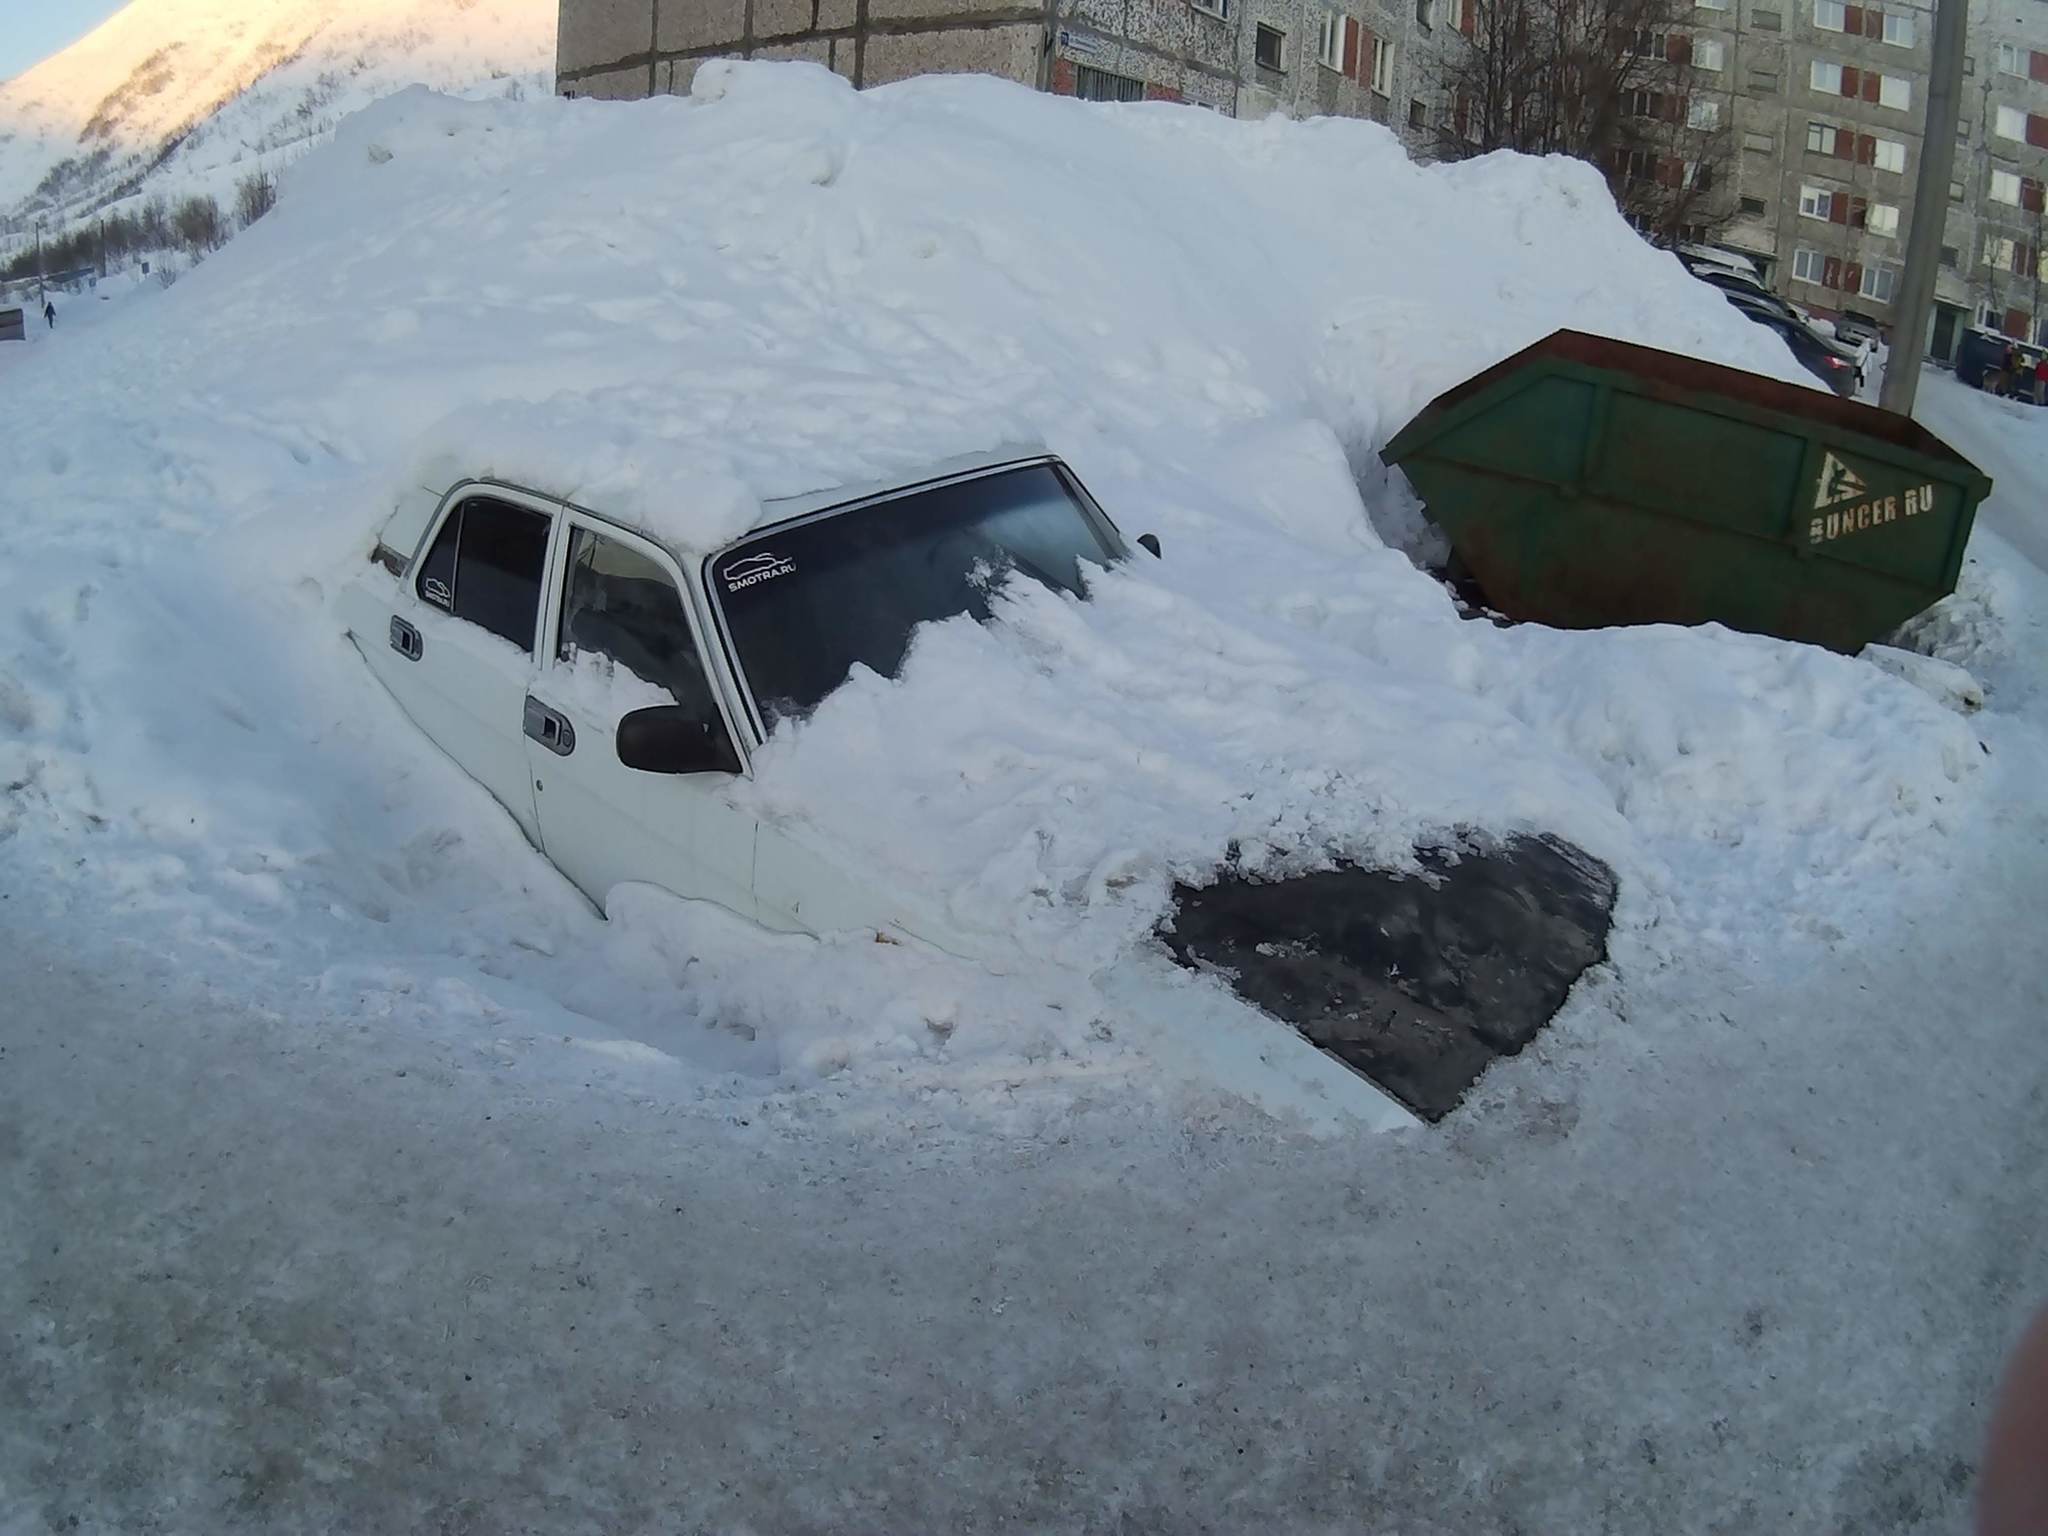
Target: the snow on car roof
(621, 454)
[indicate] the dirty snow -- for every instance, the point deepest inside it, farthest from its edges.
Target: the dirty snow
(366, 1179)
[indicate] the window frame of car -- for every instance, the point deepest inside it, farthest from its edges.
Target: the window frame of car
(541, 654)
(458, 496)
(716, 670)
(1090, 507)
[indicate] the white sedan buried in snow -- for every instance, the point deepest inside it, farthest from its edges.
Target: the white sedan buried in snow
(606, 688)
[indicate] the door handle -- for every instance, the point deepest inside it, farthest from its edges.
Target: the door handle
(405, 639)
(549, 727)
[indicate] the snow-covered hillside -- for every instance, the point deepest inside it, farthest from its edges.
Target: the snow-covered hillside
(366, 1179)
(192, 94)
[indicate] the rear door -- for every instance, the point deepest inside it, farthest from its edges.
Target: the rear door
(460, 652)
(621, 637)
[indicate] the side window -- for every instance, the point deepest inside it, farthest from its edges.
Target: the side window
(486, 565)
(619, 605)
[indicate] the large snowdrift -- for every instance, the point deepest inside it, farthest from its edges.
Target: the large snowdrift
(673, 309)
(359, 1177)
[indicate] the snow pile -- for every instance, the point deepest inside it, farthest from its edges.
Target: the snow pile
(357, 1177)
(676, 309)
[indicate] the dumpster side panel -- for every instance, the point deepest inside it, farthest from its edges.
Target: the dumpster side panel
(1524, 544)
(1674, 461)
(1535, 431)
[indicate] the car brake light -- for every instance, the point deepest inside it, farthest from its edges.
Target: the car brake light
(1836, 362)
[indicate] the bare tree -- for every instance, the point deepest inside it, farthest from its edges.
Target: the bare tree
(255, 195)
(1607, 81)
(198, 225)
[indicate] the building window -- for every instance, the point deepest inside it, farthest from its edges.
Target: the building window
(1330, 40)
(1383, 69)
(1999, 252)
(1955, 191)
(1896, 92)
(1891, 156)
(2012, 60)
(2011, 124)
(1950, 256)
(1418, 115)
(1425, 14)
(1712, 5)
(1267, 47)
(1815, 203)
(1898, 30)
(1820, 138)
(1762, 143)
(2005, 188)
(1826, 78)
(1101, 85)
(1879, 283)
(1752, 207)
(1882, 219)
(1830, 15)
(1709, 53)
(1217, 8)
(1808, 266)
(1703, 113)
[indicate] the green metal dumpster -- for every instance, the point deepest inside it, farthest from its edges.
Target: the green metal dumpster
(1586, 482)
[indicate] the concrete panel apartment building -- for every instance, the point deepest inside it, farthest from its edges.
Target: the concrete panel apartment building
(1826, 102)
(1247, 58)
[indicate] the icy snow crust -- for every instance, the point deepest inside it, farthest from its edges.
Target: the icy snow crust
(676, 311)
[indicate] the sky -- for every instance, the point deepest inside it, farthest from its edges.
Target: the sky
(32, 30)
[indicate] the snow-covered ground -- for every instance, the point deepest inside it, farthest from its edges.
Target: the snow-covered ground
(360, 1177)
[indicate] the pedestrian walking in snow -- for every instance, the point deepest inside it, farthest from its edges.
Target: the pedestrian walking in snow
(50, 314)
(2041, 379)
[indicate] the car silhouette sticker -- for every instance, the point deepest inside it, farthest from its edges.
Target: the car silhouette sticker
(750, 569)
(437, 593)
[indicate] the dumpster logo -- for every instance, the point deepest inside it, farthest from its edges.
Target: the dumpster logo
(1869, 512)
(1838, 483)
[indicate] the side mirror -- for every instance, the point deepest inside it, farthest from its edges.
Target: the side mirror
(1151, 542)
(670, 739)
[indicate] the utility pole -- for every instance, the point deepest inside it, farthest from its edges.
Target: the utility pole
(1930, 209)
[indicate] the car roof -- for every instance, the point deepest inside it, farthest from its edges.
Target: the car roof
(414, 505)
(959, 467)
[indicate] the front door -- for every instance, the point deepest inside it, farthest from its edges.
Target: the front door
(1943, 347)
(621, 639)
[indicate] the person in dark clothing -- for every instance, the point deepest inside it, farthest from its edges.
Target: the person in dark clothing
(50, 314)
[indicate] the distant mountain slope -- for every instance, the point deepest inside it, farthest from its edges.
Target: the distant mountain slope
(192, 93)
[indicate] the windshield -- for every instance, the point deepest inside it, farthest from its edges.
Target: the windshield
(804, 604)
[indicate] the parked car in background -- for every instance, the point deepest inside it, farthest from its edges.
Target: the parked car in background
(1856, 328)
(1837, 366)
